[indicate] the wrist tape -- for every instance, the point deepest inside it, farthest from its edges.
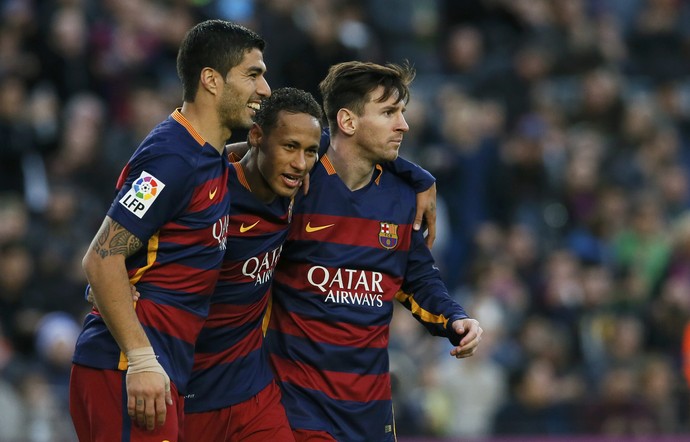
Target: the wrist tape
(144, 359)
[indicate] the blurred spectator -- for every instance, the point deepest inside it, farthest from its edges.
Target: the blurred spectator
(67, 62)
(659, 390)
(56, 335)
(19, 298)
(21, 167)
(534, 407)
(483, 379)
(642, 250)
(658, 40)
(618, 410)
(670, 312)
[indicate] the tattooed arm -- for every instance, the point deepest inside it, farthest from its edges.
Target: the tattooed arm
(104, 264)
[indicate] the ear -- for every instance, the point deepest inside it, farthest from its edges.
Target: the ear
(347, 121)
(209, 80)
(255, 136)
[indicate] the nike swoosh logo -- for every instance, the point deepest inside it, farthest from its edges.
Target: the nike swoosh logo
(311, 229)
(212, 193)
(244, 229)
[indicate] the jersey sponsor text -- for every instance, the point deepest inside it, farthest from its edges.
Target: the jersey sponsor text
(348, 286)
(260, 268)
(220, 231)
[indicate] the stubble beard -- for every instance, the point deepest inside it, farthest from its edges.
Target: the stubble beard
(233, 114)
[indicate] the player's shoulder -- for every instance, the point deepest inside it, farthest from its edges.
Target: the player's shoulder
(171, 137)
(391, 182)
(169, 143)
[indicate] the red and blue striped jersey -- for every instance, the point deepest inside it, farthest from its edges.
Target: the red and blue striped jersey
(173, 196)
(230, 365)
(347, 257)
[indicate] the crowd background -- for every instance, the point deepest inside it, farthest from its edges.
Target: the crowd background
(558, 130)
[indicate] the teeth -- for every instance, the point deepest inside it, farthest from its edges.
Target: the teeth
(255, 106)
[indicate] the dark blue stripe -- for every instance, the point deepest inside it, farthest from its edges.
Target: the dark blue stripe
(218, 339)
(371, 361)
(344, 420)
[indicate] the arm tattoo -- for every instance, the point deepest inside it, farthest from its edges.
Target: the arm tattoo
(121, 242)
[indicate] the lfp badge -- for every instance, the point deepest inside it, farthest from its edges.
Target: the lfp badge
(146, 187)
(142, 194)
(388, 235)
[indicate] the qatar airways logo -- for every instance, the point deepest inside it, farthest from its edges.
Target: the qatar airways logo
(220, 231)
(260, 268)
(348, 286)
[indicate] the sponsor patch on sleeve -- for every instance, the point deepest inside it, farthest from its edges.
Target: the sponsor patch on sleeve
(143, 193)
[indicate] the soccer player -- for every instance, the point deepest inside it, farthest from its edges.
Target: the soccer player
(350, 253)
(232, 395)
(165, 232)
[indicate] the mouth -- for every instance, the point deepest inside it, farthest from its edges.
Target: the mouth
(291, 180)
(254, 105)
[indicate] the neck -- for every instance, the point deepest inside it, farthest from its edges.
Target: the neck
(351, 166)
(257, 183)
(207, 123)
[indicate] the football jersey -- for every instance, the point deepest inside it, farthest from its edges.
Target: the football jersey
(348, 255)
(230, 365)
(173, 196)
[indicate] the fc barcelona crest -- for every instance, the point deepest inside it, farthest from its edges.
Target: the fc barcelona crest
(388, 235)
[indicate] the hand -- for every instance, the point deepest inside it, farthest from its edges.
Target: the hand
(148, 388)
(426, 208)
(147, 395)
(471, 334)
(135, 295)
(305, 184)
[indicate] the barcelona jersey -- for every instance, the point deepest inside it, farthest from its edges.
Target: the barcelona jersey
(173, 196)
(230, 365)
(348, 256)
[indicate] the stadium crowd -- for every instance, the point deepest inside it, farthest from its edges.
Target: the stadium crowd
(559, 134)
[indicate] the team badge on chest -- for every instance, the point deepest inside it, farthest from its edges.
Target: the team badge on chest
(388, 235)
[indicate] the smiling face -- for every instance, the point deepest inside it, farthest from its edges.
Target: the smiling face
(244, 88)
(379, 130)
(284, 154)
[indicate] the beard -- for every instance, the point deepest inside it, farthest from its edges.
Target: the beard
(233, 113)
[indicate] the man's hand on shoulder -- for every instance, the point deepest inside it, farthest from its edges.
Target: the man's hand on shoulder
(426, 211)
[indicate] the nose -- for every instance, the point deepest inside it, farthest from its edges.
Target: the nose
(299, 160)
(263, 89)
(402, 124)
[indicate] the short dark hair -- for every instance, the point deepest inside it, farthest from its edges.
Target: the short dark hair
(218, 44)
(286, 99)
(349, 84)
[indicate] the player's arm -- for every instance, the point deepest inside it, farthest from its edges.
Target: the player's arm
(148, 386)
(426, 296)
(236, 151)
(424, 185)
